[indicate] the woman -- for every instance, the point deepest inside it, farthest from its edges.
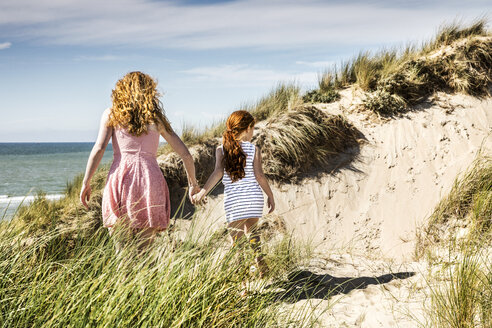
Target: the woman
(136, 195)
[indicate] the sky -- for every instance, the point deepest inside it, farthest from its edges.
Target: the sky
(60, 59)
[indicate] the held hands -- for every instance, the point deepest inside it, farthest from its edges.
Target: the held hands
(192, 191)
(200, 196)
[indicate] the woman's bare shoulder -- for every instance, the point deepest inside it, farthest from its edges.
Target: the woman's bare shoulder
(105, 115)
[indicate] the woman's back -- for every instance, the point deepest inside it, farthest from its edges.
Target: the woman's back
(145, 144)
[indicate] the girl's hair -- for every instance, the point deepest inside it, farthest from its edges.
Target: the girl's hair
(136, 104)
(234, 157)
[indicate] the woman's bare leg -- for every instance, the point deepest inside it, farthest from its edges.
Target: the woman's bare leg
(121, 235)
(145, 238)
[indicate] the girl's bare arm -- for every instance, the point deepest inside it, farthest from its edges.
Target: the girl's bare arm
(215, 177)
(262, 180)
(218, 172)
(96, 155)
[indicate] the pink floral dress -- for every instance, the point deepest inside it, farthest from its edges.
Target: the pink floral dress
(136, 191)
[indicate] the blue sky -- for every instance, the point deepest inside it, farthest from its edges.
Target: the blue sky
(59, 59)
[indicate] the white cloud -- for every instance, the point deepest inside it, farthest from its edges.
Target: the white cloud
(238, 24)
(5, 45)
(317, 64)
(244, 75)
(97, 58)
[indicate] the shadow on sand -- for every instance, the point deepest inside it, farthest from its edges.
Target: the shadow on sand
(304, 284)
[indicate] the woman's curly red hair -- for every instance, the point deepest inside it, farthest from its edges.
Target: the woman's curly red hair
(136, 104)
(234, 157)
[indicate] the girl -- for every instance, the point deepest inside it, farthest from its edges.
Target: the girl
(238, 163)
(136, 195)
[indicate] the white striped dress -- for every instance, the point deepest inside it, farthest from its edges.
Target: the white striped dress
(243, 199)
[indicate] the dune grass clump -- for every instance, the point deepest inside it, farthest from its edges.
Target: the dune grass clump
(464, 299)
(448, 33)
(449, 64)
(282, 98)
(457, 240)
(385, 103)
(468, 196)
(467, 206)
(326, 92)
(316, 96)
(52, 281)
(303, 138)
(457, 59)
(466, 67)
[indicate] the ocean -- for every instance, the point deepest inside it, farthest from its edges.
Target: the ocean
(29, 168)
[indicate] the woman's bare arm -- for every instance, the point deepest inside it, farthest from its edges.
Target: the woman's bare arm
(96, 155)
(180, 148)
(262, 180)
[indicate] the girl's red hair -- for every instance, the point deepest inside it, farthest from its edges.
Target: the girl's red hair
(234, 157)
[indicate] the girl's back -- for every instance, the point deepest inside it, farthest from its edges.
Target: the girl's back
(243, 199)
(249, 178)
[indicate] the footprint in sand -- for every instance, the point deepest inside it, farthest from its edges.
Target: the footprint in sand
(390, 187)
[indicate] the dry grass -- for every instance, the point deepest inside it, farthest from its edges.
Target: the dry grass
(463, 295)
(464, 300)
(448, 33)
(467, 207)
(303, 138)
(326, 92)
(465, 66)
(50, 280)
(457, 59)
(282, 98)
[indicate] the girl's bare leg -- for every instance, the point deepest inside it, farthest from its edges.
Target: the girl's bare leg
(236, 230)
(251, 226)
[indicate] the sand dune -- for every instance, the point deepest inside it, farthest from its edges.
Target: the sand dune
(362, 218)
(404, 167)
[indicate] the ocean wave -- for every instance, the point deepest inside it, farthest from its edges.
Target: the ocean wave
(5, 199)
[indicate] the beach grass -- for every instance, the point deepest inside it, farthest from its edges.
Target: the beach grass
(467, 207)
(64, 278)
(327, 89)
(302, 139)
(463, 296)
(457, 59)
(456, 241)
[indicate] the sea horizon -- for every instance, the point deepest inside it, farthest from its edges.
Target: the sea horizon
(32, 168)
